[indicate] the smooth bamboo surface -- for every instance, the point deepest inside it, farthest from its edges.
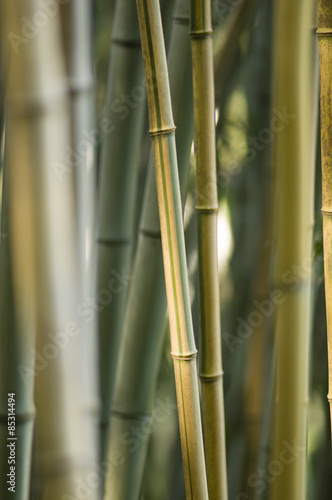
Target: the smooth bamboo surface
(211, 372)
(293, 156)
(324, 34)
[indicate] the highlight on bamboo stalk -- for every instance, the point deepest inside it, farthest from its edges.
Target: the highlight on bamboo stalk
(207, 214)
(324, 34)
(294, 167)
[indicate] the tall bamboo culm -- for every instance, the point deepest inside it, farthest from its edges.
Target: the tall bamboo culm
(15, 351)
(210, 361)
(144, 323)
(84, 138)
(162, 131)
(324, 34)
(124, 118)
(294, 167)
(45, 248)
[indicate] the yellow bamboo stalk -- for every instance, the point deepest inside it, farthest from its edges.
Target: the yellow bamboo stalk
(324, 34)
(170, 212)
(294, 166)
(211, 372)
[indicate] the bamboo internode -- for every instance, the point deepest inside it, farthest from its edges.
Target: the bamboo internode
(294, 166)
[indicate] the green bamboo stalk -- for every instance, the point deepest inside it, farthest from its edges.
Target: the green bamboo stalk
(162, 131)
(144, 325)
(324, 34)
(211, 373)
(294, 175)
(117, 190)
(15, 350)
(46, 270)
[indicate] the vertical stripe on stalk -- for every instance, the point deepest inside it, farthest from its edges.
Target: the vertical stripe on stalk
(153, 64)
(169, 242)
(185, 430)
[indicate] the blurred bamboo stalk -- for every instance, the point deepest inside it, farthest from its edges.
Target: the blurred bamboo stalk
(45, 252)
(324, 34)
(144, 325)
(119, 169)
(77, 31)
(162, 131)
(15, 351)
(293, 156)
(211, 373)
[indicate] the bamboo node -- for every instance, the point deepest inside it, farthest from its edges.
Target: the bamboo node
(131, 44)
(324, 32)
(326, 212)
(127, 415)
(164, 131)
(201, 34)
(19, 419)
(149, 233)
(185, 357)
(113, 241)
(181, 20)
(79, 85)
(208, 211)
(212, 377)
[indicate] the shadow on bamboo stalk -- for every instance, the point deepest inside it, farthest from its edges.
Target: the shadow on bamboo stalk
(207, 214)
(293, 156)
(125, 109)
(45, 250)
(324, 34)
(144, 325)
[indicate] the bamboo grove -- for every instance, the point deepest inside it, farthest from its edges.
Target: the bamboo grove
(165, 267)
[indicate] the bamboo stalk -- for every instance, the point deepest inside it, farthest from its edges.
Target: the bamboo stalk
(324, 34)
(258, 354)
(117, 189)
(211, 372)
(77, 31)
(294, 175)
(169, 201)
(144, 325)
(15, 350)
(45, 248)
